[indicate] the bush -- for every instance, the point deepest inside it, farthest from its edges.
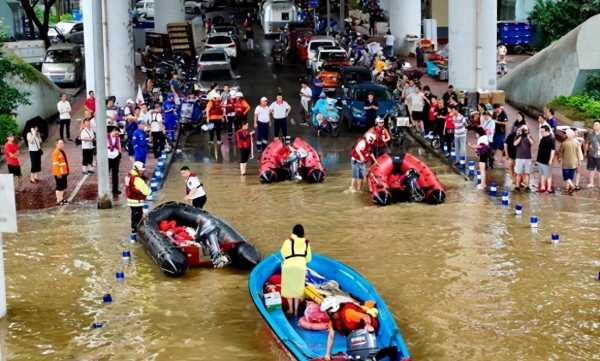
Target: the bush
(592, 85)
(578, 107)
(8, 124)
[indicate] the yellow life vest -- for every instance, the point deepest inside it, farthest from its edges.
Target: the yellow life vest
(298, 248)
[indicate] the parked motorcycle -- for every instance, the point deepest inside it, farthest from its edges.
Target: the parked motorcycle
(327, 119)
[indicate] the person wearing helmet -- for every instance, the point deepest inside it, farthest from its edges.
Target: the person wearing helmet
(361, 155)
(319, 108)
(346, 316)
(214, 114)
(241, 110)
(296, 254)
(382, 137)
(136, 191)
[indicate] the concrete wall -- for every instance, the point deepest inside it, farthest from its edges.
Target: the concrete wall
(43, 97)
(560, 69)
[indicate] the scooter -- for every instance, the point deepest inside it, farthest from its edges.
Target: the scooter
(330, 122)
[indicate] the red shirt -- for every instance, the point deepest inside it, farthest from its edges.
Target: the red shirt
(449, 121)
(11, 148)
(243, 139)
(433, 113)
(90, 103)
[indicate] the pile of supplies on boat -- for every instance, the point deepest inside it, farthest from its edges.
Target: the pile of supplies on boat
(179, 235)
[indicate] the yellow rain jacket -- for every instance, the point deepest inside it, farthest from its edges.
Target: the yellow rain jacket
(296, 254)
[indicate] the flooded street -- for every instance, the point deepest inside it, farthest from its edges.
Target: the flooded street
(466, 280)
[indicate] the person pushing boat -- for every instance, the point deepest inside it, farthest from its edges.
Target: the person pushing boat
(194, 189)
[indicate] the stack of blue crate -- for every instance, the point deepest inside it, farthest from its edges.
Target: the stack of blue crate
(512, 33)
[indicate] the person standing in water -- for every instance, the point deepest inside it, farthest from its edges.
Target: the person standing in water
(194, 189)
(296, 255)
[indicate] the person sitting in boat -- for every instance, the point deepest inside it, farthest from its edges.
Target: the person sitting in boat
(295, 157)
(346, 316)
(208, 237)
(296, 253)
(382, 137)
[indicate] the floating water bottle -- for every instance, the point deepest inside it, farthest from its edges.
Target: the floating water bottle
(126, 256)
(518, 209)
(453, 155)
(120, 276)
(461, 163)
(533, 221)
(478, 177)
(471, 168)
(107, 298)
(146, 209)
(96, 325)
(493, 189)
(555, 238)
(505, 199)
(133, 238)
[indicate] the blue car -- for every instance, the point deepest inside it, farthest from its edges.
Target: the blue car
(353, 113)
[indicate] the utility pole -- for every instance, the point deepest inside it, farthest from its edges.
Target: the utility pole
(328, 17)
(104, 199)
(341, 22)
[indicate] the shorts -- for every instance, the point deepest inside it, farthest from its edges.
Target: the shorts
(522, 166)
(14, 170)
(359, 169)
(498, 141)
(88, 157)
(545, 170)
(244, 155)
(568, 174)
(61, 183)
(593, 164)
(484, 157)
(199, 202)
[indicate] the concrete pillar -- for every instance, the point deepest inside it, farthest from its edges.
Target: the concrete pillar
(472, 44)
(167, 11)
(88, 41)
(405, 19)
(121, 61)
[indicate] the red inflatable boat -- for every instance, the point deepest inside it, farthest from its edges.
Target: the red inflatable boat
(403, 178)
(275, 165)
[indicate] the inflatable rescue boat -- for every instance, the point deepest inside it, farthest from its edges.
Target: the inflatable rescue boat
(325, 276)
(276, 162)
(403, 177)
(178, 236)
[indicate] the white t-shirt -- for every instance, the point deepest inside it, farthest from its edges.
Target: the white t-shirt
(87, 138)
(280, 110)
(64, 109)
(389, 40)
(415, 102)
(195, 187)
(263, 114)
(306, 92)
(155, 120)
(483, 140)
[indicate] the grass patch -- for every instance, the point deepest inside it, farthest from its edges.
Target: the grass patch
(580, 108)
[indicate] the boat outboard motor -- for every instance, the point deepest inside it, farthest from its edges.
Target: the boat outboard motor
(415, 192)
(209, 239)
(362, 345)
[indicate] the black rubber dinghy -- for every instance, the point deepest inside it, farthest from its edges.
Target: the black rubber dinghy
(215, 236)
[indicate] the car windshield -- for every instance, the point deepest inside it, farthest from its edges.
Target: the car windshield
(212, 57)
(380, 94)
(333, 55)
(316, 44)
(223, 29)
(357, 76)
(219, 40)
(59, 56)
(216, 75)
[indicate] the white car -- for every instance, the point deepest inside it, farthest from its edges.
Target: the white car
(222, 41)
(328, 53)
(212, 57)
(145, 8)
(313, 48)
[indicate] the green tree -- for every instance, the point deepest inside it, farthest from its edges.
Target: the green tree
(554, 18)
(41, 20)
(11, 68)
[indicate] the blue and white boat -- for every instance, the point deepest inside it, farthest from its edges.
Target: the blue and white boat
(305, 345)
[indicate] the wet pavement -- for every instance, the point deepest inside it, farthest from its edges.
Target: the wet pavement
(465, 280)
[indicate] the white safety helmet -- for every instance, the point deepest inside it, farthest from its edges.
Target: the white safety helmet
(330, 304)
(139, 166)
(240, 95)
(370, 137)
(379, 120)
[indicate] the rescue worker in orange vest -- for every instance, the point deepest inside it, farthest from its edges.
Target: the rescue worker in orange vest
(241, 110)
(361, 155)
(136, 191)
(215, 113)
(346, 316)
(382, 137)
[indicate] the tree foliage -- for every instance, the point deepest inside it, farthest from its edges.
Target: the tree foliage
(554, 18)
(41, 20)
(10, 69)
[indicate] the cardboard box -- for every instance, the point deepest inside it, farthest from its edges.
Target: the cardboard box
(498, 97)
(273, 301)
(485, 97)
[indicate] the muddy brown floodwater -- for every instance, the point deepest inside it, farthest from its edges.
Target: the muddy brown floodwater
(466, 280)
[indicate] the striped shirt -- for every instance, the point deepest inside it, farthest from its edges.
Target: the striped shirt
(460, 126)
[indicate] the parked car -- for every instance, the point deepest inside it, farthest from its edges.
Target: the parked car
(63, 64)
(331, 55)
(291, 32)
(313, 46)
(222, 41)
(145, 9)
(212, 57)
(230, 29)
(353, 113)
(220, 74)
(194, 7)
(275, 14)
(68, 31)
(352, 75)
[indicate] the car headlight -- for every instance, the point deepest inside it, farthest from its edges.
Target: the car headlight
(357, 112)
(69, 76)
